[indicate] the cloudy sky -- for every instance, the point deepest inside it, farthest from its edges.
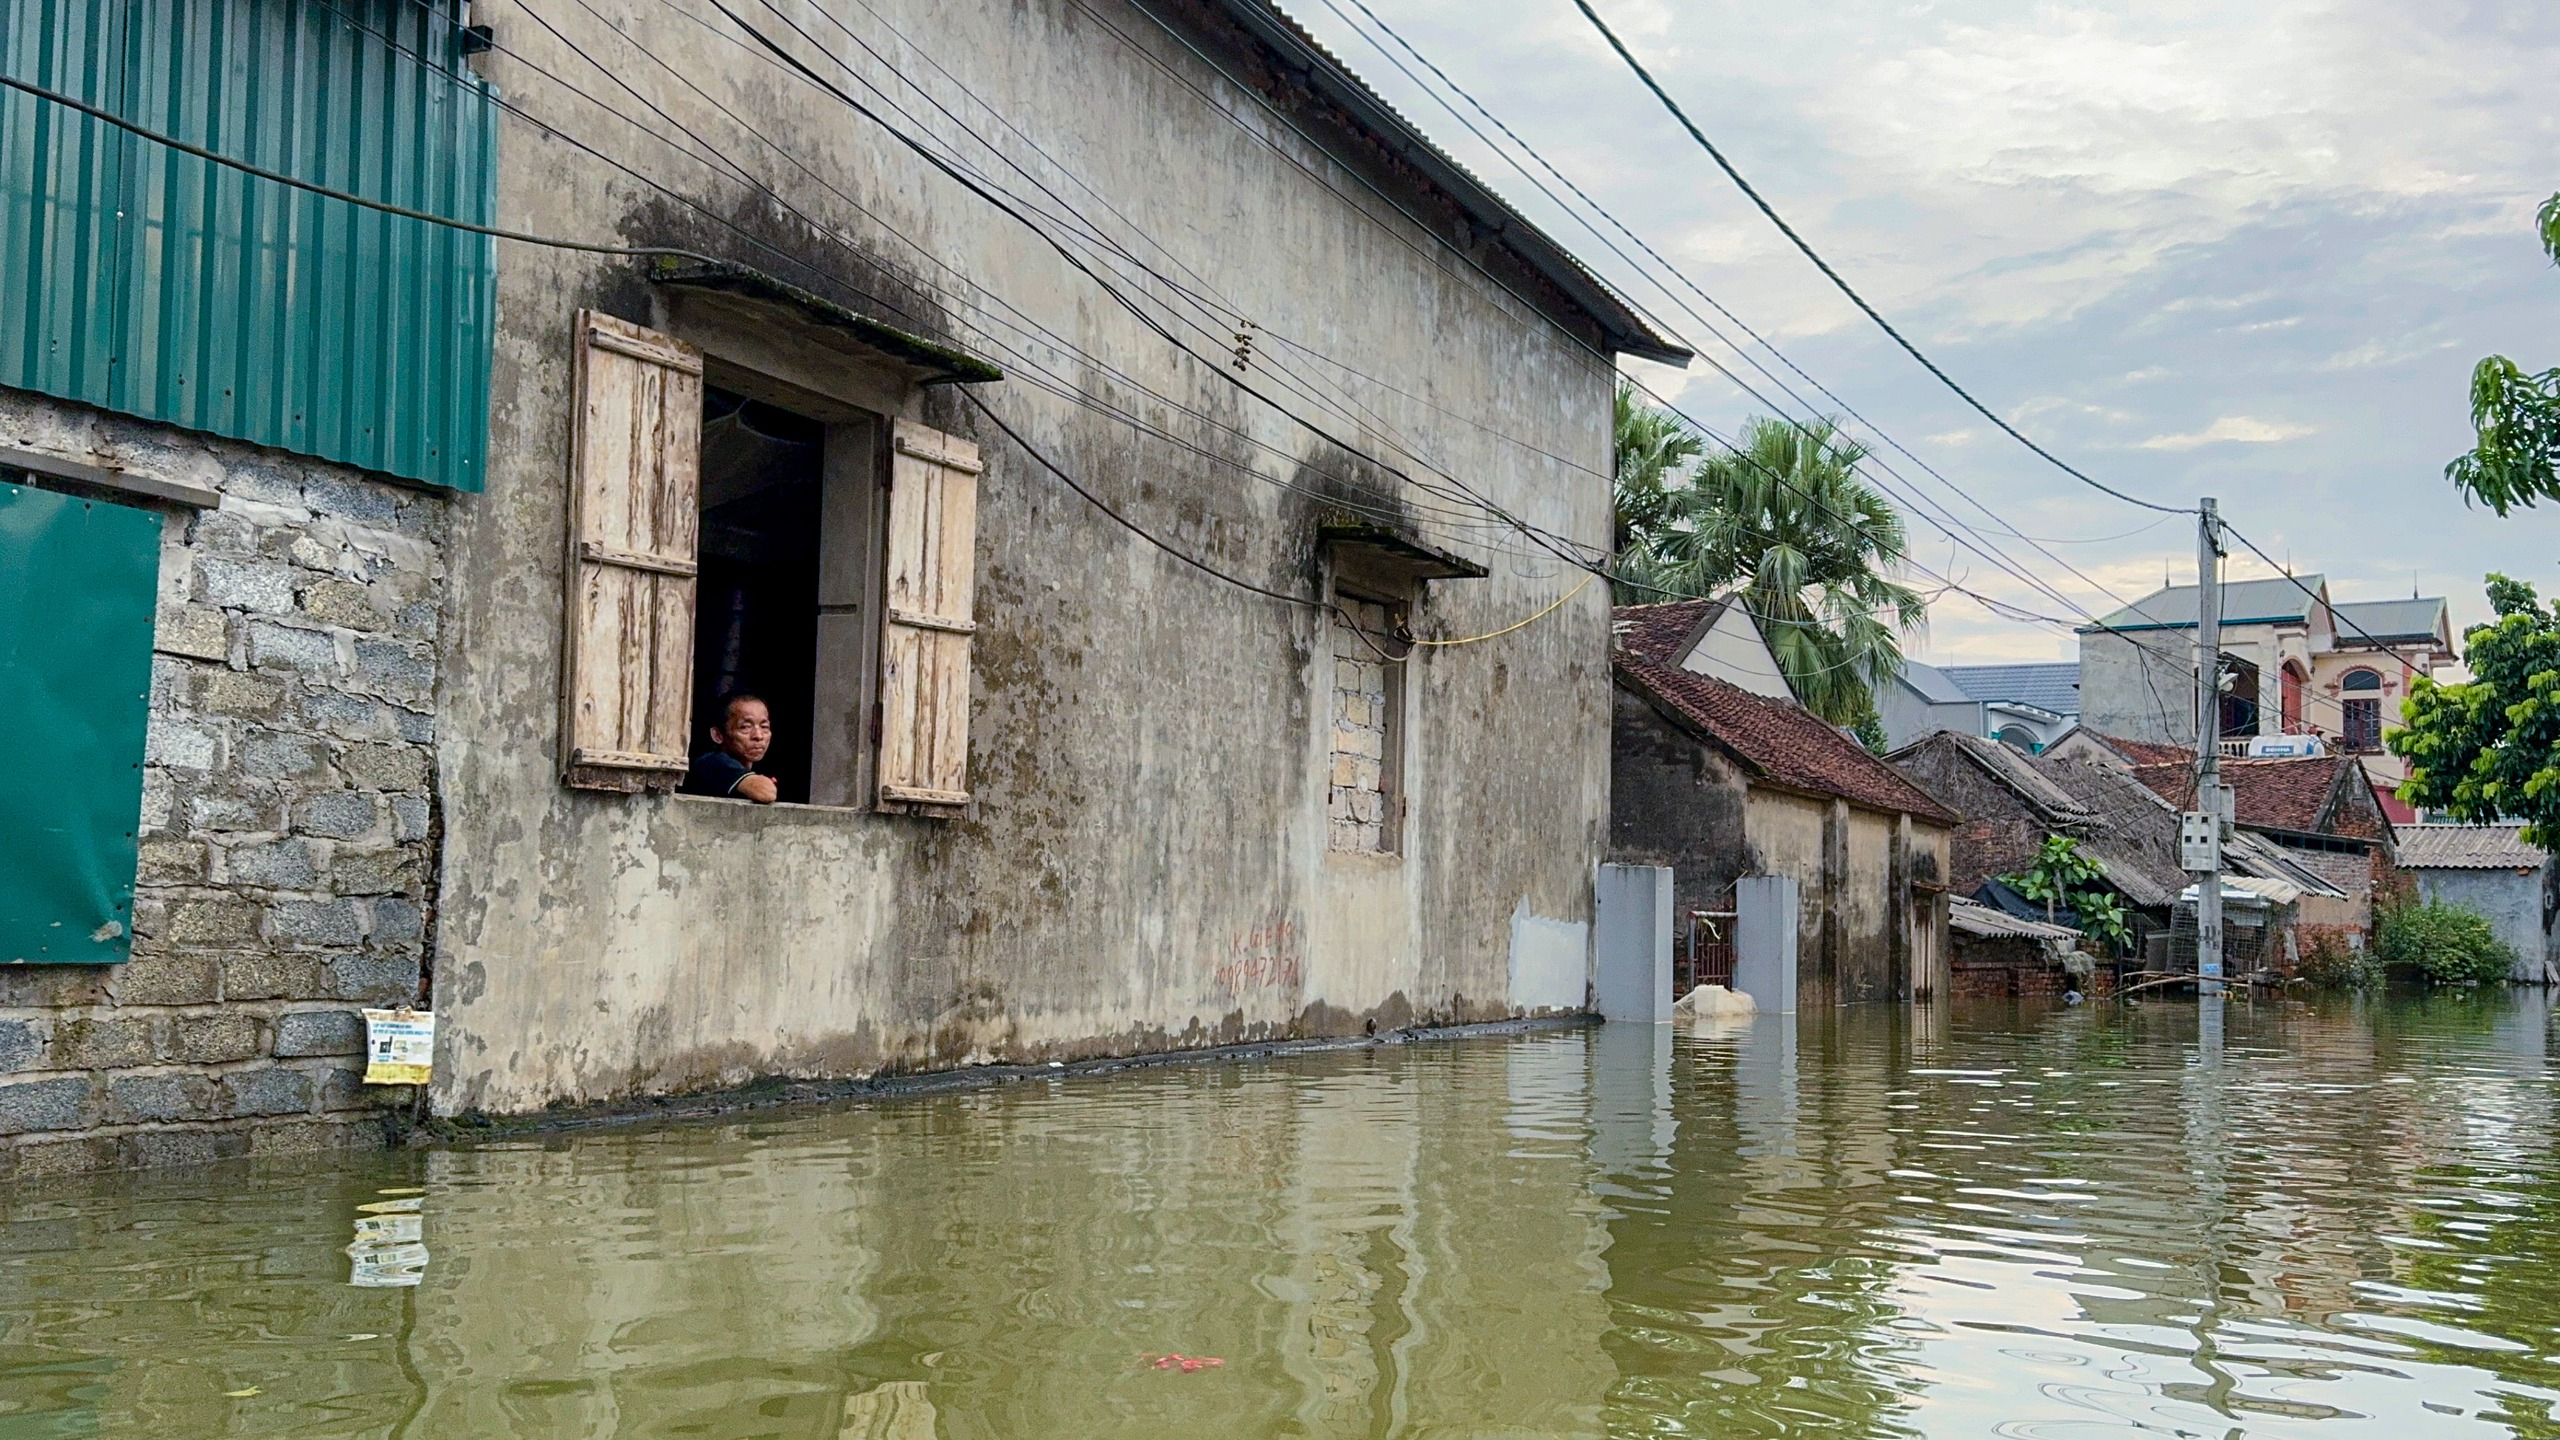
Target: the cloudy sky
(2241, 249)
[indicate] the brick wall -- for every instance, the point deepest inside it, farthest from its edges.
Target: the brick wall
(287, 814)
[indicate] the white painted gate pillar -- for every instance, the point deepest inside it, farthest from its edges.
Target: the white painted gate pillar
(1631, 944)
(1764, 941)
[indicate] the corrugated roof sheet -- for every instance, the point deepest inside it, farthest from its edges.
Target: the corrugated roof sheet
(2466, 847)
(2243, 602)
(2053, 686)
(2389, 620)
(2246, 888)
(1972, 917)
(2254, 854)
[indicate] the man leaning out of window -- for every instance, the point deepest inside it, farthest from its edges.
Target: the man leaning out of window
(739, 740)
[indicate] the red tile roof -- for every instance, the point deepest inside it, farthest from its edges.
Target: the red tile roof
(2265, 794)
(1784, 744)
(2144, 752)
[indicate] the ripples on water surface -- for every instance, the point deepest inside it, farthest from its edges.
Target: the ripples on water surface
(2058, 1225)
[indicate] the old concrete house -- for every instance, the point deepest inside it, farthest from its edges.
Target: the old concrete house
(2489, 869)
(2011, 803)
(2299, 664)
(1718, 773)
(1088, 488)
(2322, 809)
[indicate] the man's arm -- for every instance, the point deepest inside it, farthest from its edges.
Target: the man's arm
(759, 788)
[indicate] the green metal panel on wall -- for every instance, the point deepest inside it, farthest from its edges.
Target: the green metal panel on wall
(139, 279)
(78, 582)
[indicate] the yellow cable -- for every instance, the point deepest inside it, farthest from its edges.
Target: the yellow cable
(1523, 625)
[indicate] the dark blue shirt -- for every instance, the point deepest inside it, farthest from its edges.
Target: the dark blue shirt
(715, 772)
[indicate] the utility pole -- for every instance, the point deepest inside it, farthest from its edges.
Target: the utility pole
(2209, 746)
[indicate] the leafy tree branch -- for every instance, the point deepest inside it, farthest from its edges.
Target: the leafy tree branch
(2515, 414)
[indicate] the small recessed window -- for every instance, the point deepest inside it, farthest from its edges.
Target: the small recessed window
(2362, 680)
(1364, 800)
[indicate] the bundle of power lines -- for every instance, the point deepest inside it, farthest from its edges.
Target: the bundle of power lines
(1177, 305)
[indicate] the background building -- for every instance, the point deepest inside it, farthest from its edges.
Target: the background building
(2296, 667)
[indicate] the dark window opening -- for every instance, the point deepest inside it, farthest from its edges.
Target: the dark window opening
(756, 605)
(2239, 707)
(2363, 728)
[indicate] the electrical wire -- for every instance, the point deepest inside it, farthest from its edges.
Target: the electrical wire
(1936, 517)
(2313, 595)
(404, 212)
(1560, 602)
(1843, 285)
(687, 254)
(1213, 63)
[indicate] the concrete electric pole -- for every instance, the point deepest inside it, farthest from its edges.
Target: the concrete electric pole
(2204, 827)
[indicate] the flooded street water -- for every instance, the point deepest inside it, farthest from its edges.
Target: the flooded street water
(2335, 1220)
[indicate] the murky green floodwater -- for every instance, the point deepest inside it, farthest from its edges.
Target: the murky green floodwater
(2336, 1221)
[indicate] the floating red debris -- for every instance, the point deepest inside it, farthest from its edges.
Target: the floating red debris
(1184, 1363)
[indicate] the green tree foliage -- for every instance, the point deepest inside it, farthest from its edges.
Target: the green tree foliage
(1788, 521)
(2517, 416)
(2062, 878)
(1654, 450)
(2445, 944)
(2490, 750)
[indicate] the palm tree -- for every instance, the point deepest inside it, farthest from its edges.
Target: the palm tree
(1652, 448)
(1788, 520)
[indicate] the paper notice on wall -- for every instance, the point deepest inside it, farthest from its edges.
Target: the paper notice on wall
(399, 1046)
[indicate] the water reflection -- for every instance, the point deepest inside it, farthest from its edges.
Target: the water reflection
(2322, 1220)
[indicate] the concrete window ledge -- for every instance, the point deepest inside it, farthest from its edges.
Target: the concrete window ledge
(107, 478)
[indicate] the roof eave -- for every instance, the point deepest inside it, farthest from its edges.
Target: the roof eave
(1621, 329)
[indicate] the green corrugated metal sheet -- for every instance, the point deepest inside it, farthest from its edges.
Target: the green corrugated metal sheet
(142, 280)
(77, 582)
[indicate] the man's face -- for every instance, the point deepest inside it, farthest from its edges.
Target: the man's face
(747, 730)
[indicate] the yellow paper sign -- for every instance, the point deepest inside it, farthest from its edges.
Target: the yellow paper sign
(399, 1046)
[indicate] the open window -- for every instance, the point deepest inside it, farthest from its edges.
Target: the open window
(730, 534)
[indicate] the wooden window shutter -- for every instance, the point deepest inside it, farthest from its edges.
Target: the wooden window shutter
(924, 650)
(634, 500)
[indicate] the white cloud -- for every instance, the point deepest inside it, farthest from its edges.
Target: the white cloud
(2233, 429)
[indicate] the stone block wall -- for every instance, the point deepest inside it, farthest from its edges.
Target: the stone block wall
(1359, 797)
(288, 815)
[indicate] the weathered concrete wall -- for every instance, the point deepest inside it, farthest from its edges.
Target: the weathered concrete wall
(2139, 686)
(1907, 718)
(287, 807)
(1863, 947)
(2510, 902)
(1679, 802)
(1676, 802)
(1145, 864)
